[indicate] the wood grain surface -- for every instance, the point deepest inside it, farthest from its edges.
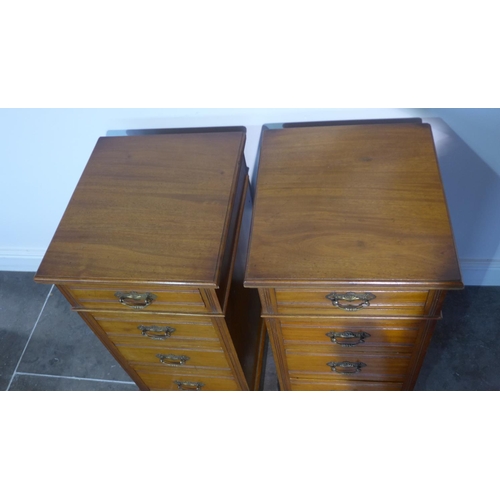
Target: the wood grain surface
(155, 239)
(350, 236)
(351, 204)
(149, 209)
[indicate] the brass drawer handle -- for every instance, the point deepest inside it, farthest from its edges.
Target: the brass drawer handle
(166, 331)
(346, 339)
(346, 367)
(135, 300)
(188, 386)
(172, 359)
(350, 296)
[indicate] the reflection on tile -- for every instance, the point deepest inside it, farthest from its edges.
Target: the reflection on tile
(62, 344)
(21, 301)
(40, 383)
(464, 351)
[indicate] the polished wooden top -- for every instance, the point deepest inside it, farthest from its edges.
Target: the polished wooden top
(149, 209)
(351, 204)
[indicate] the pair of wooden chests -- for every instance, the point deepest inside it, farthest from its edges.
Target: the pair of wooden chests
(343, 255)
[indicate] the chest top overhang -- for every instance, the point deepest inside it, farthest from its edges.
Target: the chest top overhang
(149, 209)
(347, 204)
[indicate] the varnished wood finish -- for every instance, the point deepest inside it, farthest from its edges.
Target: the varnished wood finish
(230, 254)
(208, 358)
(328, 385)
(103, 337)
(385, 303)
(418, 354)
(259, 366)
(215, 381)
(170, 300)
(187, 328)
(278, 349)
(154, 209)
(243, 305)
(351, 204)
(166, 215)
(353, 207)
(400, 333)
(389, 366)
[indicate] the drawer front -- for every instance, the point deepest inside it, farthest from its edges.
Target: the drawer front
(328, 385)
(150, 300)
(187, 381)
(351, 365)
(167, 357)
(155, 329)
(351, 334)
(351, 302)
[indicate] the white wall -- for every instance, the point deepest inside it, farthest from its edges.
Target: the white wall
(468, 148)
(43, 153)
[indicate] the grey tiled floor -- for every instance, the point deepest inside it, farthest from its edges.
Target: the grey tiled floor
(44, 346)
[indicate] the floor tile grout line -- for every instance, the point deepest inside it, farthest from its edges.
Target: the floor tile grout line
(29, 338)
(75, 378)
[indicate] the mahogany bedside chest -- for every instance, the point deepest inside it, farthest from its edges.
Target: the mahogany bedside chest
(352, 252)
(151, 253)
